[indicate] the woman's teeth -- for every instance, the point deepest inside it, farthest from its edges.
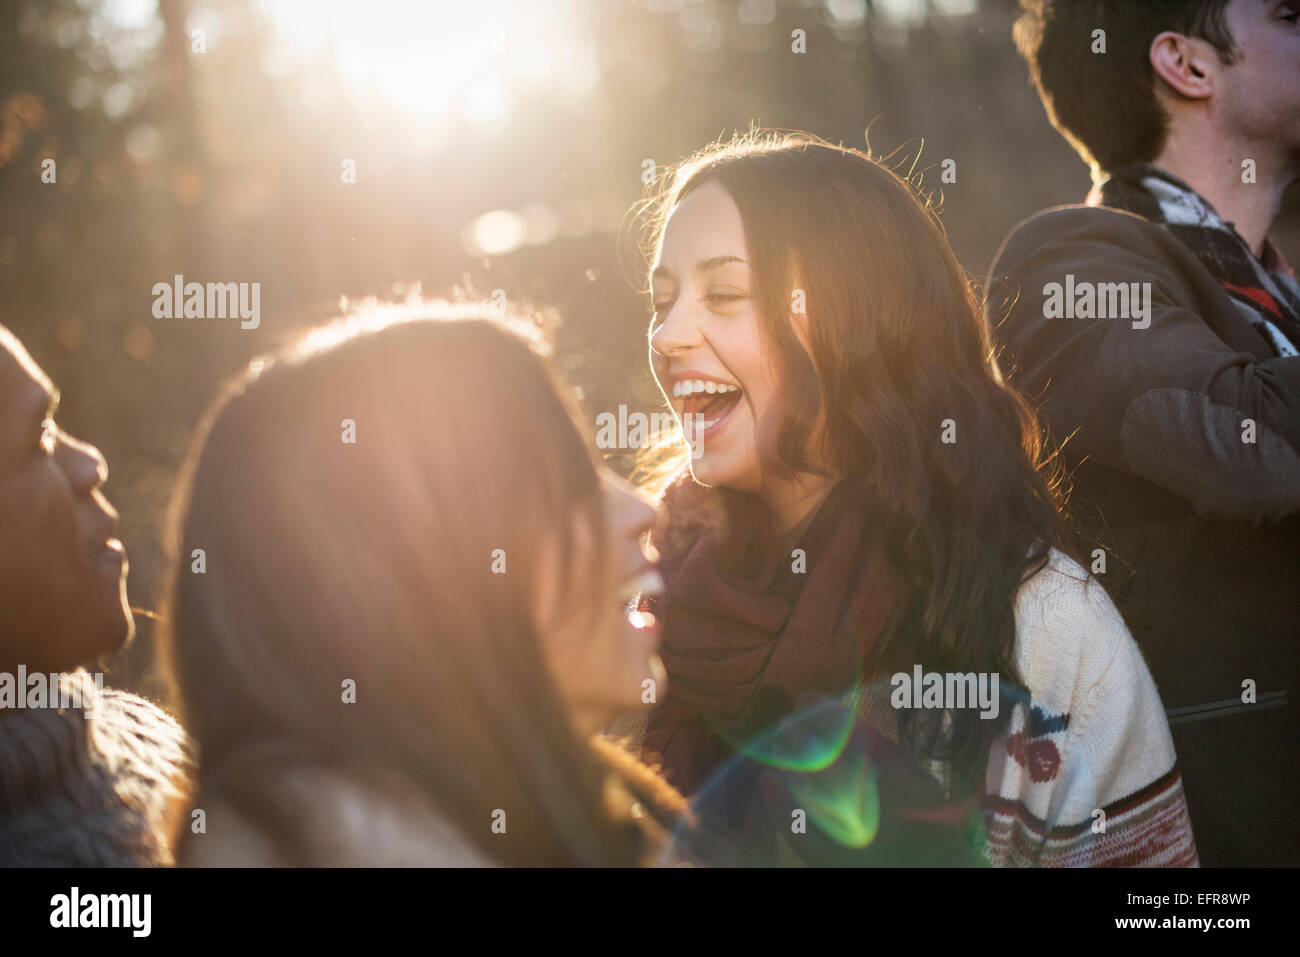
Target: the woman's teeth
(649, 582)
(697, 398)
(686, 387)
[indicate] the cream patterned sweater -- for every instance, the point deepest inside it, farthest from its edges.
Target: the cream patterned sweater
(1085, 775)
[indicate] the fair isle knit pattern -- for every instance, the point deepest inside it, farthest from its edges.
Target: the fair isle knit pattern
(1087, 775)
(78, 791)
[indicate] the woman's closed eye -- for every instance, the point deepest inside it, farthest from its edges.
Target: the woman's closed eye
(662, 294)
(723, 297)
(714, 298)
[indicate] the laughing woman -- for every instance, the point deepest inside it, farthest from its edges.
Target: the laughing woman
(867, 496)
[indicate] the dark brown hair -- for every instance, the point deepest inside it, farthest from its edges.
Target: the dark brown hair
(372, 562)
(1105, 104)
(898, 345)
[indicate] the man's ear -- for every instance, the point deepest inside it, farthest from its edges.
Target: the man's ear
(1187, 65)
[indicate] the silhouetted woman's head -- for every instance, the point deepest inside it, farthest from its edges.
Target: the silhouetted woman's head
(394, 552)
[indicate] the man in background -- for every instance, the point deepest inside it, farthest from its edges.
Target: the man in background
(1160, 331)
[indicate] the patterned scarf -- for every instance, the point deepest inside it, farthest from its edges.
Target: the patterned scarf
(752, 630)
(761, 646)
(1266, 292)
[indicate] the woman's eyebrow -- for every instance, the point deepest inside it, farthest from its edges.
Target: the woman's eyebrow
(704, 265)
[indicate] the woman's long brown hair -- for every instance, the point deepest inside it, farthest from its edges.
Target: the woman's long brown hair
(898, 347)
(373, 563)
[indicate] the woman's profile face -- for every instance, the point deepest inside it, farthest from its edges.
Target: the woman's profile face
(708, 352)
(602, 662)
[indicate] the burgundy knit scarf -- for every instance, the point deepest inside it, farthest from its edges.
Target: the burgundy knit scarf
(750, 628)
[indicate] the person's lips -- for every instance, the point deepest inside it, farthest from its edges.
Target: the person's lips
(703, 403)
(111, 553)
(646, 582)
(696, 393)
(107, 550)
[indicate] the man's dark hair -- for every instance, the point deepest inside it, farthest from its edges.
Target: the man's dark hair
(1105, 104)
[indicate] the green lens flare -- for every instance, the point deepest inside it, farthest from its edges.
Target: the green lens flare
(809, 739)
(825, 787)
(842, 800)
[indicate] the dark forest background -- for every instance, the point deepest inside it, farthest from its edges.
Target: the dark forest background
(225, 165)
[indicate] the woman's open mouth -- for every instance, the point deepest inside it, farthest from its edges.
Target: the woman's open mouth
(704, 405)
(648, 583)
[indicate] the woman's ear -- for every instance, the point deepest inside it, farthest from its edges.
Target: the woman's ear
(1186, 65)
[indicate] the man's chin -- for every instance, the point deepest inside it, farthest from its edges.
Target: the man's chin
(114, 628)
(127, 629)
(127, 623)
(121, 604)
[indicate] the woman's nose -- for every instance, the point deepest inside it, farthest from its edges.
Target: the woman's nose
(82, 463)
(642, 516)
(675, 332)
(632, 515)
